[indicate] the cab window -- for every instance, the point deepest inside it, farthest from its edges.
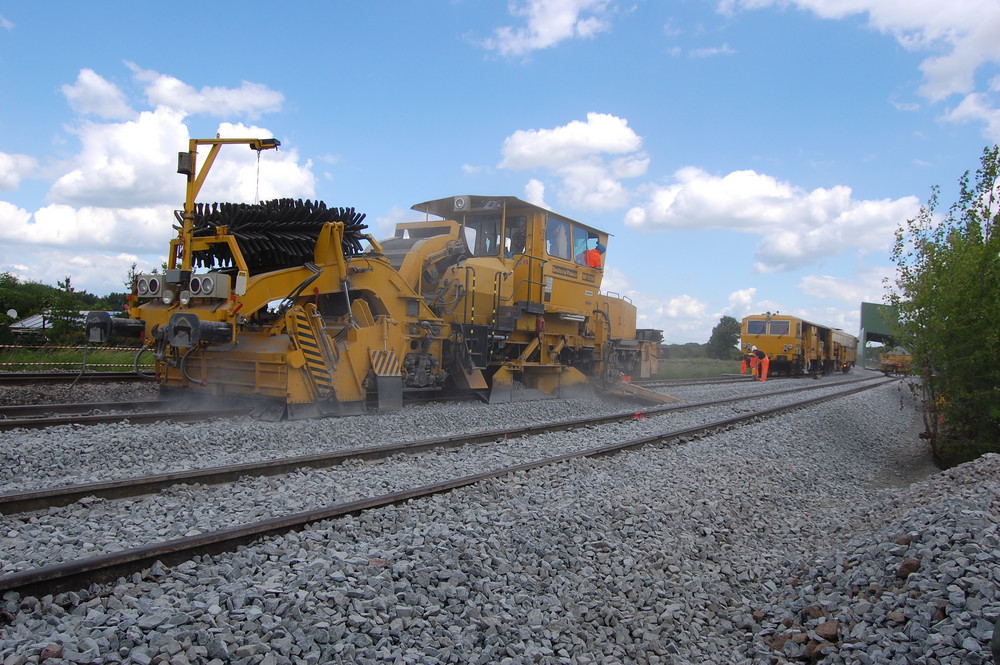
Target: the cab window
(557, 238)
(583, 241)
(515, 233)
(756, 327)
(482, 233)
(780, 327)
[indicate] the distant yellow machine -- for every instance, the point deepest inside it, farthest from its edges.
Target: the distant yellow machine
(895, 363)
(292, 302)
(795, 346)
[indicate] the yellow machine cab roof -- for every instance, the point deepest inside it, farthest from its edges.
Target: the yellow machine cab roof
(453, 206)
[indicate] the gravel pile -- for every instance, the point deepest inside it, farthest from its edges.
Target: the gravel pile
(797, 540)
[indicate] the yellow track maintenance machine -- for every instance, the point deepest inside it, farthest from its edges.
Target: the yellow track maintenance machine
(292, 303)
(796, 346)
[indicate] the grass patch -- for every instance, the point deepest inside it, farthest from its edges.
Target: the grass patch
(696, 368)
(70, 359)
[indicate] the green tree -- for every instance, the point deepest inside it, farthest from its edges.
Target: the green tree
(948, 281)
(64, 309)
(722, 343)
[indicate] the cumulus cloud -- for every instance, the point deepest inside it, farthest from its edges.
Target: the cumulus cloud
(250, 100)
(795, 225)
(961, 36)
(976, 107)
(555, 148)
(534, 192)
(578, 154)
(56, 225)
(125, 164)
(237, 175)
(115, 197)
(97, 272)
(740, 302)
(549, 22)
(13, 168)
(680, 316)
(92, 94)
(866, 285)
(6, 24)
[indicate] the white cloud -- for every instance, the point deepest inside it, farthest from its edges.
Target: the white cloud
(116, 196)
(250, 100)
(12, 216)
(92, 94)
(864, 286)
(126, 164)
(56, 225)
(534, 192)
(13, 169)
(796, 226)
(681, 317)
(6, 24)
(235, 173)
(962, 34)
(976, 107)
(576, 153)
(709, 52)
(549, 22)
(559, 147)
(97, 272)
(740, 302)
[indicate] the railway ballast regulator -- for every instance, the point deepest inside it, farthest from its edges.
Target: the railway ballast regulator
(796, 346)
(293, 302)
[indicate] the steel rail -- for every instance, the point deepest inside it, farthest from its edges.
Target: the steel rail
(10, 412)
(28, 378)
(108, 567)
(20, 502)
(702, 381)
(134, 417)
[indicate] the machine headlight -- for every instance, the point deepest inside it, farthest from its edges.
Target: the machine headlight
(142, 286)
(168, 297)
(207, 284)
(195, 285)
(185, 298)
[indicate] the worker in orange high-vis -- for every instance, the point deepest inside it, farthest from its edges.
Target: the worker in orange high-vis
(743, 364)
(593, 256)
(764, 362)
(754, 361)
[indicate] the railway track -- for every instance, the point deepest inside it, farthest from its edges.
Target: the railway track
(43, 499)
(36, 416)
(30, 378)
(77, 573)
(702, 381)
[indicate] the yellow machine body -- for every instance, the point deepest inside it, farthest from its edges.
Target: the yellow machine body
(293, 302)
(895, 363)
(795, 346)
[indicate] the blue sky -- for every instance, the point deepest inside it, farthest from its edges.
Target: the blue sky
(747, 155)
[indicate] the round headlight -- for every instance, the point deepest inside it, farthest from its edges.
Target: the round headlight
(142, 286)
(195, 284)
(207, 284)
(154, 285)
(168, 297)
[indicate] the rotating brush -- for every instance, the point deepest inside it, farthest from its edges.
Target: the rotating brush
(274, 234)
